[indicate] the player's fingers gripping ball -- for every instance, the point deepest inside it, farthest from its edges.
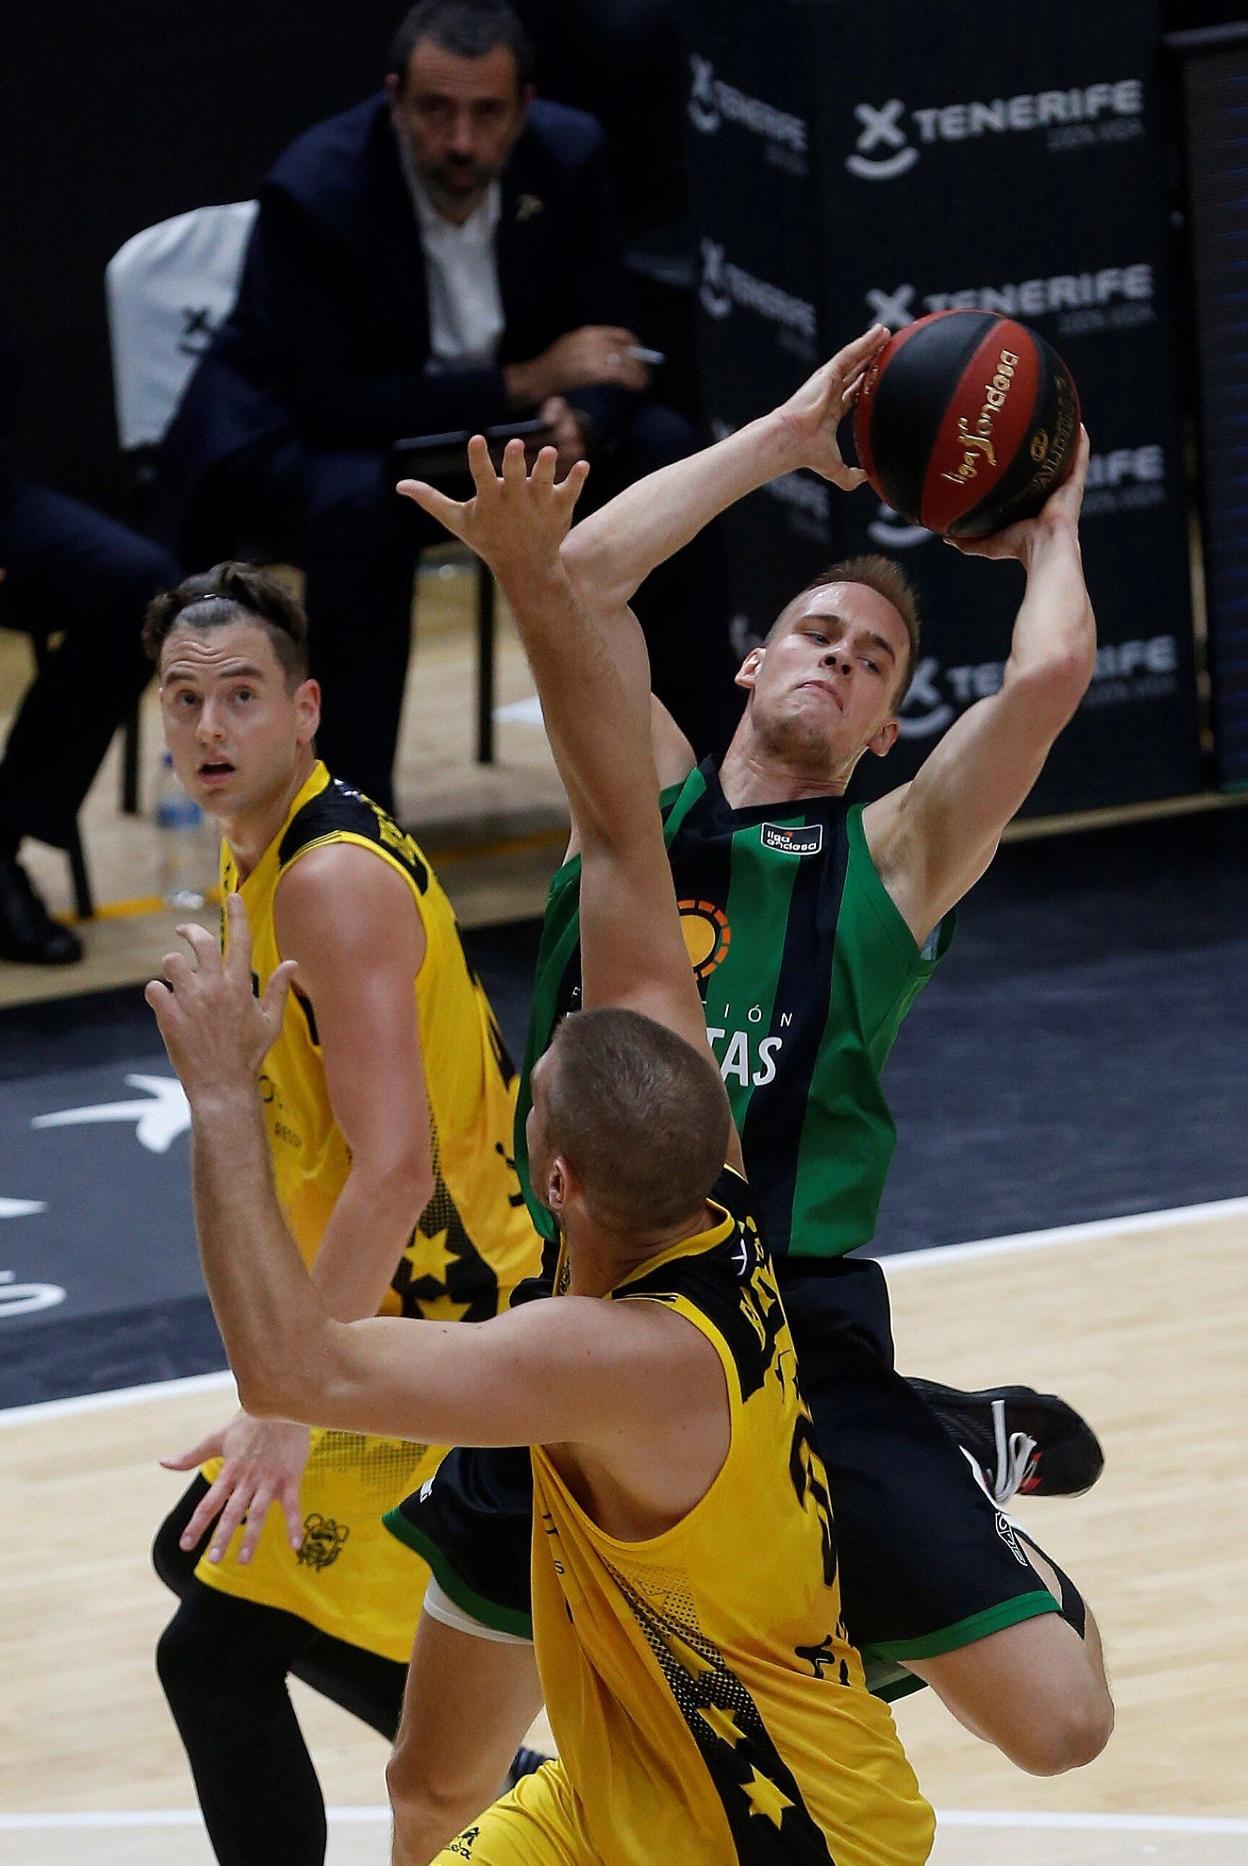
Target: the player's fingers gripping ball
(966, 422)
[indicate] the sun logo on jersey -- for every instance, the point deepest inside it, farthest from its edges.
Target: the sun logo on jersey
(707, 934)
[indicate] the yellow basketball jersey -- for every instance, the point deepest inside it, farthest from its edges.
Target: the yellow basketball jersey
(474, 1241)
(706, 1703)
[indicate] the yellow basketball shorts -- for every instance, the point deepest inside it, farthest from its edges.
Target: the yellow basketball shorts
(535, 1824)
(350, 1578)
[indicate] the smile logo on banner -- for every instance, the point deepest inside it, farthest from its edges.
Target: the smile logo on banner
(881, 128)
(707, 934)
(926, 710)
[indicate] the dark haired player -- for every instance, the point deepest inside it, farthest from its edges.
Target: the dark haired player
(389, 1102)
(684, 1566)
(812, 924)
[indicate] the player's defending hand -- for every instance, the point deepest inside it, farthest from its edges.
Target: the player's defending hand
(263, 1462)
(1057, 517)
(813, 416)
(518, 519)
(216, 1030)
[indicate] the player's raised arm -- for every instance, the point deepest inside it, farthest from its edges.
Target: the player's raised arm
(933, 838)
(613, 550)
(549, 1372)
(633, 953)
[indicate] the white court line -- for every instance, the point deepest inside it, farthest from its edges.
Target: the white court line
(948, 1817)
(1100, 1230)
(118, 1396)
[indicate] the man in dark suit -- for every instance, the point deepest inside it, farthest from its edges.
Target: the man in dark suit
(66, 569)
(440, 257)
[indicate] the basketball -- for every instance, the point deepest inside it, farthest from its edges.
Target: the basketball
(966, 422)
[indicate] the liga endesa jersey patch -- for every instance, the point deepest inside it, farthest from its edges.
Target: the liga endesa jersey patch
(806, 970)
(790, 841)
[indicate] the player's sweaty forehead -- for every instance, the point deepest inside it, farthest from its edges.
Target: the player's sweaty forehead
(226, 651)
(845, 607)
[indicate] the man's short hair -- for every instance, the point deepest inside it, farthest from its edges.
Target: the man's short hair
(639, 1114)
(888, 580)
(468, 28)
(232, 592)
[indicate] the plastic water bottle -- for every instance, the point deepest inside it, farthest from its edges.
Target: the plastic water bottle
(183, 858)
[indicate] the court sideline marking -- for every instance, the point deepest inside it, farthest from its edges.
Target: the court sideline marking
(947, 1817)
(1099, 1230)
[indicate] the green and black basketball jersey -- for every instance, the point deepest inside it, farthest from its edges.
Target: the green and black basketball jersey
(806, 968)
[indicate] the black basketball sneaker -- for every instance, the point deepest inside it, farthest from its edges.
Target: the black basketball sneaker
(1023, 1443)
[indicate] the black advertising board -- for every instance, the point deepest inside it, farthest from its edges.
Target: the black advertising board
(1020, 169)
(759, 281)
(1213, 76)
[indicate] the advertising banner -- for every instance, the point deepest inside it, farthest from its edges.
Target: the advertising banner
(1021, 170)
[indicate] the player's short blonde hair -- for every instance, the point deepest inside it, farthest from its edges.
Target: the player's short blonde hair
(640, 1115)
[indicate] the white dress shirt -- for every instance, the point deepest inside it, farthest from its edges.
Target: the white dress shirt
(461, 275)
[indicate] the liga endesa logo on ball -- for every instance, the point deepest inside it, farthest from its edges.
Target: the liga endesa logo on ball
(966, 422)
(892, 135)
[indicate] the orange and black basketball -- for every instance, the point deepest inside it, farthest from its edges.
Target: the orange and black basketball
(966, 421)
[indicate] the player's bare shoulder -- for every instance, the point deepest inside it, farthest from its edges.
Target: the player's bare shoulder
(344, 897)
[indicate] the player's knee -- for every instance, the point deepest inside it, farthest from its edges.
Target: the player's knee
(430, 1808)
(180, 1658)
(1065, 1733)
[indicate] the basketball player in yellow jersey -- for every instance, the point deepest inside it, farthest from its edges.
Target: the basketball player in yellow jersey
(706, 1704)
(389, 1102)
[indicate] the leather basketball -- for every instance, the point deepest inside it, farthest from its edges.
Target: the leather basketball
(966, 422)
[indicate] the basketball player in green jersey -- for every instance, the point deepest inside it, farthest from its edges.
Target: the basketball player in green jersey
(813, 923)
(708, 1708)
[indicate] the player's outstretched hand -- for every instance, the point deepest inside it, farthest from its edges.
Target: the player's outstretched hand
(216, 1030)
(1059, 513)
(815, 413)
(263, 1463)
(518, 519)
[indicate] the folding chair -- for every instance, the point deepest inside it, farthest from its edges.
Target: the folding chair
(167, 289)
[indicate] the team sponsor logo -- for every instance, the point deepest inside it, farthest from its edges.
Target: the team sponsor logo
(714, 102)
(707, 934)
(892, 137)
(747, 1059)
(463, 1844)
(1112, 298)
(725, 285)
(323, 1541)
(806, 839)
(1126, 672)
(1126, 479)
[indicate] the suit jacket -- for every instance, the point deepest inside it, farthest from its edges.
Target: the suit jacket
(329, 337)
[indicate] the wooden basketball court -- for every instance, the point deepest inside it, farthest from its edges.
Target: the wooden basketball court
(1140, 1321)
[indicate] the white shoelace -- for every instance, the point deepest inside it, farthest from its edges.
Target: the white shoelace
(1015, 1451)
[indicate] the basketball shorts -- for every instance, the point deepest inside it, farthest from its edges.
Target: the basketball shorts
(536, 1823)
(349, 1578)
(927, 1562)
